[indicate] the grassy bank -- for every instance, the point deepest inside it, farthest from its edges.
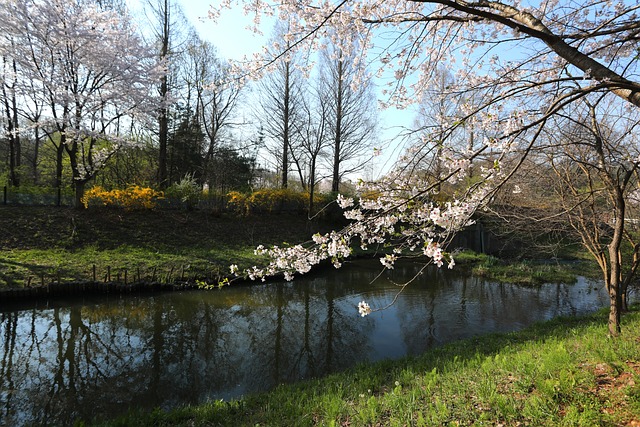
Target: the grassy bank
(528, 272)
(50, 244)
(562, 372)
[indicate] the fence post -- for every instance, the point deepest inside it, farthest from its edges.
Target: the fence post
(5, 194)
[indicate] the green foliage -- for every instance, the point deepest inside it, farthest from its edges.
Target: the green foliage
(227, 170)
(184, 147)
(33, 190)
(130, 165)
(188, 191)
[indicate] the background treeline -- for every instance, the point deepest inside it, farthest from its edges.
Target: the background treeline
(291, 129)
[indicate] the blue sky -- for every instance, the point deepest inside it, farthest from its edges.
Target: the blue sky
(229, 35)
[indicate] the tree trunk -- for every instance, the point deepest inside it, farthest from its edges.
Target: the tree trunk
(78, 194)
(36, 154)
(615, 303)
(59, 165)
(615, 297)
(163, 120)
(312, 185)
(285, 136)
(163, 134)
(335, 182)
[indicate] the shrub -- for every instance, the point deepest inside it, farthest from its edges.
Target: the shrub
(237, 202)
(268, 200)
(131, 198)
(187, 190)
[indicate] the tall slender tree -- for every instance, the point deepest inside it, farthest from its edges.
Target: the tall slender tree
(352, 110)
(279, 95)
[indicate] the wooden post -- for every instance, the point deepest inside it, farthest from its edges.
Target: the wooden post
(94, 272)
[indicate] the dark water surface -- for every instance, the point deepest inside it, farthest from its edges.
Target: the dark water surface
(86, 358)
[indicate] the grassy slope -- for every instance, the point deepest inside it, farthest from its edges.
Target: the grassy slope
(563, 372)
(63, 242)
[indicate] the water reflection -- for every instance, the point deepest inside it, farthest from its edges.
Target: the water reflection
(97, 358)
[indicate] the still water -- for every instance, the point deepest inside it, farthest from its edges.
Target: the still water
(86, 358)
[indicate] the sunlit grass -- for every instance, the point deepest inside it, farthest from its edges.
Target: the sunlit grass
(18, 266)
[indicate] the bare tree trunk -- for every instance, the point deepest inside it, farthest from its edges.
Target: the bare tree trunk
(335, 182)
(11, 111)
(163, 120)
(287, 125)
(312, 185)
(615, 297)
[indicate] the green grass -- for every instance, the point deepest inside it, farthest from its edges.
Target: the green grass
(528, 272)
(46, 244)
(60, 243)
(565, 372)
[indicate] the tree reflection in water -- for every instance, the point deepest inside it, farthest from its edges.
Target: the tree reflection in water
(97, 358)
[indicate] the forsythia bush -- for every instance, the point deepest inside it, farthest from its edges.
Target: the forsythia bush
(267, 200)
(237, 202)
(133, 197)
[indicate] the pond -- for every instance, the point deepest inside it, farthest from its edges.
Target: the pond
(85, 358)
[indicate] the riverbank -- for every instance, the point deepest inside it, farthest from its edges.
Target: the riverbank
(561, 372)
(48, 251)
(44, 247)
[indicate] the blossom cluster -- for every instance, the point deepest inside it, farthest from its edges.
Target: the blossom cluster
(398, 211)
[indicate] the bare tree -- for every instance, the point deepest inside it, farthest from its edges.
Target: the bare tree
(313, 132)
(280, 94)
(216, 95)
(352, 111)
(580, 184)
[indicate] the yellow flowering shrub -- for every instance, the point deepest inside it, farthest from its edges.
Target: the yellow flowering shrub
(267, 200)
(237, 202)
(132, 198)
